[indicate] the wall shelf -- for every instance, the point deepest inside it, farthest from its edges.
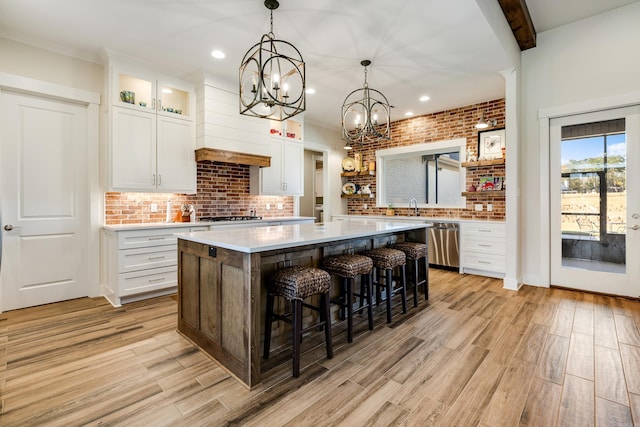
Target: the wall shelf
(365, 173)
(492, 193)
(356, 196)
(493, 162)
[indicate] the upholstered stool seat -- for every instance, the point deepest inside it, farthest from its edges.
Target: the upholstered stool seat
(386, 259)
(348, 267)
(296, 284)
(414, 252)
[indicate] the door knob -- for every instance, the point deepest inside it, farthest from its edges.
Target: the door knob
(635, 227)
(9, 227)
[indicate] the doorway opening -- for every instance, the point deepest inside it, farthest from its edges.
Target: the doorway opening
(312, 203)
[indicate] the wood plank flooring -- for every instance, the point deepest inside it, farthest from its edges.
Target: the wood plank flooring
(473, 355)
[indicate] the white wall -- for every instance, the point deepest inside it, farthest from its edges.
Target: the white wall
(588, 60)
(28, 61)
(329, 143)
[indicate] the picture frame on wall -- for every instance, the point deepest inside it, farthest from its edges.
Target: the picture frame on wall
(491, 144)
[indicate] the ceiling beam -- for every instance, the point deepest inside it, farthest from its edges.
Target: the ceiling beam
(517, 15)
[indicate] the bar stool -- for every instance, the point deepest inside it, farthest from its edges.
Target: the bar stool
(414, 252)
(347, 267)
(295, 284)
(387, 259)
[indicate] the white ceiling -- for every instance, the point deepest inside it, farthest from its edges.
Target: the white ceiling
(441, 48)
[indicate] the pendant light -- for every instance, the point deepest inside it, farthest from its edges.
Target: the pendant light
(272, 77)
(366, 114)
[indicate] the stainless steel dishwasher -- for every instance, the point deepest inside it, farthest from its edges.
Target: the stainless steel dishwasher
(443, 245)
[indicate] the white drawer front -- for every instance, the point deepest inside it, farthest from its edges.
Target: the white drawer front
(146, 238)
(486, 229)
(148, 280)
(486, 262)
(486, 245)
(146, 258)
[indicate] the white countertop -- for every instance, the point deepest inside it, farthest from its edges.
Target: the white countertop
(148, 225)
(261, 239)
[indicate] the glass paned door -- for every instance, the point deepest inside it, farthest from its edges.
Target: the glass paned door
(593, 176)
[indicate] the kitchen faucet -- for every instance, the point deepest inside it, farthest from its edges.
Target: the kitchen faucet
(415, 201)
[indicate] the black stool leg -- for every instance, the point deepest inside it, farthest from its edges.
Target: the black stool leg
(426, 278)
(389, 285)
(349, 303)
(326, 305)
(415, 282)
(376, 277)
(368, 279)
(267, 324)
(296, 328)
(404, 288)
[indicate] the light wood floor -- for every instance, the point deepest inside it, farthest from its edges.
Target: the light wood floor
(475, 354)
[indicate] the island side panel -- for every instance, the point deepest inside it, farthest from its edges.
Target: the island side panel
(215, 305)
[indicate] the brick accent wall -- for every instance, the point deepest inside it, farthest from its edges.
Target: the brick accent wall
(222, 190)
(445, 125)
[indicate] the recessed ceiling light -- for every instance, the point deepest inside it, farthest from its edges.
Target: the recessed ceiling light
(310, 90)
(424, 98)
(409, 113)
(218, 54)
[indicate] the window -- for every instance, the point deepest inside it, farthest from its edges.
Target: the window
(429, 172)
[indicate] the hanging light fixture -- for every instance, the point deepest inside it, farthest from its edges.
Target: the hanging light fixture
(272, 77)
(365, 114)
(483, 123)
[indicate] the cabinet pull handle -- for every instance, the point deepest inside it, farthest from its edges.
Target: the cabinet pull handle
(154, 179)
(484, 262)
(153, 103)
(484, 246)
(160, 279)
(156, 238)
(485, 231)
(159, 180)
(151, 258)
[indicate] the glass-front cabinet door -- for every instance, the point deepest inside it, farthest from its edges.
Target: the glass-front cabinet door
(149, 94)
(595, 208)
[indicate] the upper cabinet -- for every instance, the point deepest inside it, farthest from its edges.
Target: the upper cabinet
(285, 177)
(152, 132)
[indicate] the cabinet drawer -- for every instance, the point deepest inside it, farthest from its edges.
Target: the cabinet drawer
(486, 245)
(147, 238)
(138, 282)
(486, 262)
(486, 229)
(146, 258)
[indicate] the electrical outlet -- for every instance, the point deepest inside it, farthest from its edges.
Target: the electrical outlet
(154, 207)
(280, 206)
(489, 207)
(268, 207)
(478, 207)
(364, 206)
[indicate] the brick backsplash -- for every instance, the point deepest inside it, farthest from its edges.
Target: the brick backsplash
(222, 190)
(450, 124)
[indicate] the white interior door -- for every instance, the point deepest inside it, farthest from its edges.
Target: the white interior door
(595, 208)
(45, 207)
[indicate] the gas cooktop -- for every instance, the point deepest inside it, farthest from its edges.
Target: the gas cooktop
(229, 218)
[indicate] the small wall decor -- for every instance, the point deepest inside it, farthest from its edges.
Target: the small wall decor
(490, 144)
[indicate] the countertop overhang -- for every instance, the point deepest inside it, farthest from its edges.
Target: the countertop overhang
(262, 239)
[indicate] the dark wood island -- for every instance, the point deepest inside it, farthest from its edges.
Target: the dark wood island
(222, 276)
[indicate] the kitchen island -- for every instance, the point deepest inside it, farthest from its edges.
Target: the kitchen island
(222, 275)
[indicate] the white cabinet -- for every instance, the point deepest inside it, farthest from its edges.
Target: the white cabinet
(152, 137)
(482, 248)
(285, 176)
(140, 264)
